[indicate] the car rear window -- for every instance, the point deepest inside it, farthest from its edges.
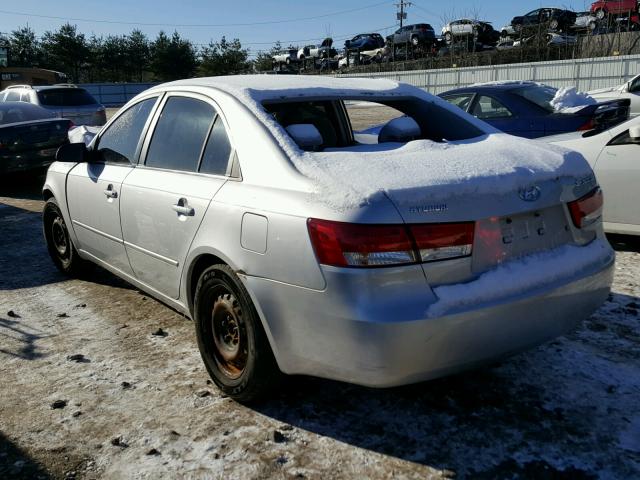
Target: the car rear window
(65, 97)
(22, 112)
(541, 95)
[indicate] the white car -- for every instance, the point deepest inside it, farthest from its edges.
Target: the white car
(630, 90)
(586, 21)
(460, 27)
(614, 155)
(507, 31)
(248, 204)
(288, 57)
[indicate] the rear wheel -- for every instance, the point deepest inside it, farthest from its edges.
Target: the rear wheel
(232, 342)
(600, 14)
(59, 244)
(554, 24)
(415, 41)
(448, 37)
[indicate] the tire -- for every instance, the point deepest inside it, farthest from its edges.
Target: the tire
(232, 342)
(59, 244)
(554, 24)
(448, 37)
(415, 41)
(600, 14)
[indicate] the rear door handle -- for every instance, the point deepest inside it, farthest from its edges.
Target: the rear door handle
(110, 192)
(183, 208)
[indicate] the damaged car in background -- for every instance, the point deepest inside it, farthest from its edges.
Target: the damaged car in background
(532, 110)
(431, 245)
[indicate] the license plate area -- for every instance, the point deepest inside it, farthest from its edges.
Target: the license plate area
(499, 239)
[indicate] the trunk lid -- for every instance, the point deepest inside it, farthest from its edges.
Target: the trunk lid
(42, 135)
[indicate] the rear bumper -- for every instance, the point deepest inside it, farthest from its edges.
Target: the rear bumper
(382, 339)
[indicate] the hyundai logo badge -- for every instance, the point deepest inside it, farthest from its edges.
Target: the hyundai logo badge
(530, 194)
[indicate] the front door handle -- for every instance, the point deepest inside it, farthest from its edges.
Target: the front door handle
(110, 192)
(183, 208)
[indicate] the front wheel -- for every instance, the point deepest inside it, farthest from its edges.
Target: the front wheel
(232, 342)
(600, 14)
(448, 37)
(61, 249)
(554, 24)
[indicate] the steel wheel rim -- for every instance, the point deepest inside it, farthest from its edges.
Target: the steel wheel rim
(59, 237)
(229, 334)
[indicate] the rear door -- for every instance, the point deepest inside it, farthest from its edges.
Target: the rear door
(618, 172)
(490, 109)
(164, 201)
(94, 190)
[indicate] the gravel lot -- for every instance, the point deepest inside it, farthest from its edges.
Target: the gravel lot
(88, 391)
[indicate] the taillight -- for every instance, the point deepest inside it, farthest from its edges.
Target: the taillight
(443, 241)
(588, 209)
(357, 245)
(590, 125)
(352, 245)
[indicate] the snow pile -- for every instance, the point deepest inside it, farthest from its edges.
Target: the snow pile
(569, 100)
(522, 275)
(492, 164)
(305, 135)
(83, 134)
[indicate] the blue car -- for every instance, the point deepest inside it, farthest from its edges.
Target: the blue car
(524, 109)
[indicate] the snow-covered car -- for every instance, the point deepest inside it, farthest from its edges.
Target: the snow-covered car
(614, 155)
(247, 204)
(630, 90)
(585, 21)
(288, 57)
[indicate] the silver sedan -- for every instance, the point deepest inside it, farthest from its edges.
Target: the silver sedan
(414, 249)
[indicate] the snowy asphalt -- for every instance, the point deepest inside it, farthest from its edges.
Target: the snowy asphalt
(88, 391)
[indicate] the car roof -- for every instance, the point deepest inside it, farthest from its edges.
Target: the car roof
(495, 86)
(40, 88)
(290, 87)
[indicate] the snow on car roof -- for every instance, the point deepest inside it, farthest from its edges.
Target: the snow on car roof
(273, 87)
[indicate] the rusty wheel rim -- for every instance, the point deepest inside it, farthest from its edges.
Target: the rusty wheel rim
(59, 237)
(229, 335)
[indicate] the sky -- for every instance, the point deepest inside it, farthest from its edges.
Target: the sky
(286, 20)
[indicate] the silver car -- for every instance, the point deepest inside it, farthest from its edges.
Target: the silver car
(64, 100)
(433, 244)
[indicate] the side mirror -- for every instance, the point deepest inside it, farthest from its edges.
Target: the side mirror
(634, 133)
(72, 153)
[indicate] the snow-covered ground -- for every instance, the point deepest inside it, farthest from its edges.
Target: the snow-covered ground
(132, 404)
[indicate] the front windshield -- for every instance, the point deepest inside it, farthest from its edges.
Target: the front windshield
(541, 95)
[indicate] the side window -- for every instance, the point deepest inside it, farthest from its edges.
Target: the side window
(25, 97)
(216, 154)
(625, 139)
(180, 134)
(461, 101)
(12, 96)
(635, 86)
(120, 141)
(488, 108)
